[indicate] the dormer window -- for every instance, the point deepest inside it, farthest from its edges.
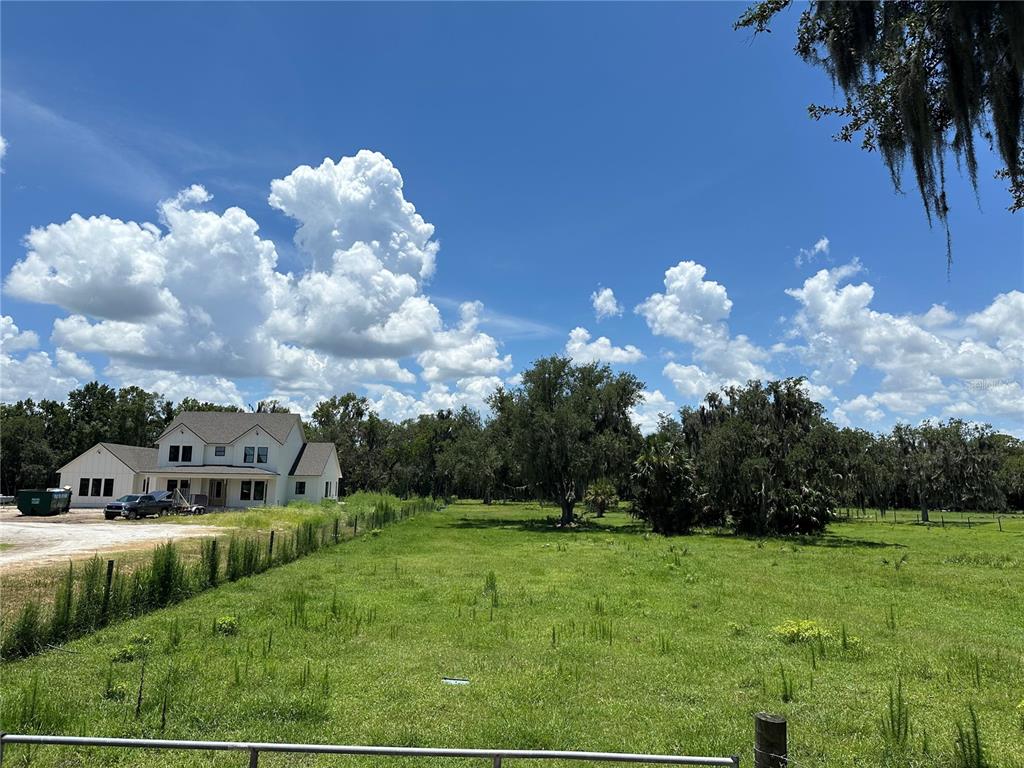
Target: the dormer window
(173, 452)
(186, 453)
(218, 450)
(250, 455)
(261, 455)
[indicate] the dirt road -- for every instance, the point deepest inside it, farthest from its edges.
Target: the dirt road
(31, 541)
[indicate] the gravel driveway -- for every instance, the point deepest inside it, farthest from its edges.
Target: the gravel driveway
(32, 541)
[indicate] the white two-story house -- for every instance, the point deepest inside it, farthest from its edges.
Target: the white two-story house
(234, 459)
(243, 460)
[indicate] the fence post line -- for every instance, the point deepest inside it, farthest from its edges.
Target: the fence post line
(270, 547)
(770, 744)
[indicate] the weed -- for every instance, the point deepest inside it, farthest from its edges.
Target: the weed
(890, 618)
(968, 749)
(174, 634)
(26, 634)
(63, 606)
(788, 686)
(896, 721)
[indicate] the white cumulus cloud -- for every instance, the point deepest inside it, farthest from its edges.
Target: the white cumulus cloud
(605, 304)
(582, 350)
(199, 293)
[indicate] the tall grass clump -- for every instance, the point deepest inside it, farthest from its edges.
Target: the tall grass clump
(243, 557)
(968, 749)
(209, 563)
(896, 722)
(63, 608)
(166, 581)
(89, 607)
(26, 634)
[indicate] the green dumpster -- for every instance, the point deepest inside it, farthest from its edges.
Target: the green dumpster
(53, 501)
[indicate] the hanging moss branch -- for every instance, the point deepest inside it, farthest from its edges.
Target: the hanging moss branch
(921, 79)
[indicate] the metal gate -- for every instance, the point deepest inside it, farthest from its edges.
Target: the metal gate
(253, 749)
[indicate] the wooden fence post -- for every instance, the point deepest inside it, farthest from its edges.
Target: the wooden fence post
(270, 547)
(770, 746)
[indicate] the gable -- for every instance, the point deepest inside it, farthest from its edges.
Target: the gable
(135, 458)
(219, 428)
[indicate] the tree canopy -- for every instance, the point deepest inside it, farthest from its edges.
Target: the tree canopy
(569, 425)
(759, 459)
(921, 79)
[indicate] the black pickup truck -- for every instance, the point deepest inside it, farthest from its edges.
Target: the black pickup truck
(136, 505)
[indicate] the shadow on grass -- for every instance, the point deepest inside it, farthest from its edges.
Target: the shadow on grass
(830, 540)
(547, 525)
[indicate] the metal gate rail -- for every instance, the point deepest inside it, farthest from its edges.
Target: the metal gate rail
(496, 756)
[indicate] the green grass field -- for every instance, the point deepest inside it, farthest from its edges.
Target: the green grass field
(604, 638)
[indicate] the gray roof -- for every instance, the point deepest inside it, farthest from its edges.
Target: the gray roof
(220, 428)
(210, 470)
(136, 458)
(312, 459)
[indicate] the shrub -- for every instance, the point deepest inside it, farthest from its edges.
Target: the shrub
(226, 625)
(137, 648)
(805, 631)
(600, 497)
(663, 485)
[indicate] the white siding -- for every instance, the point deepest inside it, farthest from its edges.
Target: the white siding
(100, 463)
(315, 484)
(180, 437)
(279, 457)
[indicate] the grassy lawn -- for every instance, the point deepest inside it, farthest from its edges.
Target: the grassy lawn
(603, 638)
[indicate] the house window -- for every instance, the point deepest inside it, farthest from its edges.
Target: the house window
(300, 487)
(246, 492)
(250, 455)
(172, 486)
(96, 483)
(83, 486)
(259, 490)
(108, 486)
(173, 452)
(186, 453)
(218, 451)
(327, 488)
(184, 486)
(145, 485)
(261, 455)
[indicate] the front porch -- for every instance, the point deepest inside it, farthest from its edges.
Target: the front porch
(232, 487)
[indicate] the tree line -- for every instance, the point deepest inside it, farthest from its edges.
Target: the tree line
(759, 459)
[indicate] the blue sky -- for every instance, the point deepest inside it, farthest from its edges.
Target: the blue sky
(555, 149)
